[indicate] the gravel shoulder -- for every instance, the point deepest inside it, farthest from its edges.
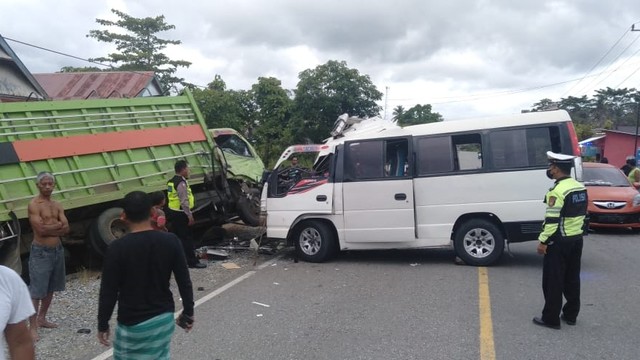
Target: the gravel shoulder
(75, 309)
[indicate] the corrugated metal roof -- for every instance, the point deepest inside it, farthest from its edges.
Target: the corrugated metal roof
(100, 85)
(591, 139)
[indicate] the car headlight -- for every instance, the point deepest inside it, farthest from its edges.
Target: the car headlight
(636, 200)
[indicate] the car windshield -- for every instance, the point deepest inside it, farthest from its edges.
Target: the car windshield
(604, 177)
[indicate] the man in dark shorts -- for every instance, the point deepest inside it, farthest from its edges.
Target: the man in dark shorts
(46, 260)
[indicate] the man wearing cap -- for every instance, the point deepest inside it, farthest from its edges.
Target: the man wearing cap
(628, 163)
(561, 243)
(46, 259)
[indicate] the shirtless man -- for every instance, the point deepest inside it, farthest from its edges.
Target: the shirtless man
(46, 260)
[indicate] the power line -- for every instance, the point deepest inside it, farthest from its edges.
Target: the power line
(473, 97)
(613, 62)
(633, 28)
(596, 64)
(58, 52)
(79, 58)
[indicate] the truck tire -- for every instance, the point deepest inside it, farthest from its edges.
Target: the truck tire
(106, 228)
(248, 207)
(314, 241)
(479, 242)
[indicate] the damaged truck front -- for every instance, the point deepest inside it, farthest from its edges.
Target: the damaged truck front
(99, 150)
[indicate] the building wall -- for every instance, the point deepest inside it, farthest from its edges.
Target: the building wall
(618, 147)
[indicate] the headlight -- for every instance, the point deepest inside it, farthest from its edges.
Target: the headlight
(636, 200)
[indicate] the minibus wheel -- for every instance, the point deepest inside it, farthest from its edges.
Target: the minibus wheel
(479, 242)
(314, 241)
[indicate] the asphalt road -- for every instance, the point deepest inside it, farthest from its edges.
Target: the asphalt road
(419, 305)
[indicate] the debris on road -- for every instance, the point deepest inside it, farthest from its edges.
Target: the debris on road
(261, 304)
(230, 266)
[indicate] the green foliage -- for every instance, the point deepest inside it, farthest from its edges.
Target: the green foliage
(139, 49)
(274, 106)
(398, 111)
(261, 114)
(72, 69)
(419, 114)
(221, 108)
(607, 109)
(584, 131)
(326, 92)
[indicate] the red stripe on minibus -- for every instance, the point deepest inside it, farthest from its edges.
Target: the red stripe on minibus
(575, 145)
(49, 148)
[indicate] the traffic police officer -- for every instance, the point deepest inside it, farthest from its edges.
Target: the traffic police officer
(561, 243)
(181, 201)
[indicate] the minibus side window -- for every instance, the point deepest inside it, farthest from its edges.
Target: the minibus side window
(365, 160)
(468, 152)
(397, 158)
(434, 155)
(515, 148)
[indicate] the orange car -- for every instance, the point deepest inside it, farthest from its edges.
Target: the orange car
(613, 201)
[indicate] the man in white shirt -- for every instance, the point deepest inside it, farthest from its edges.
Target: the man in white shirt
(15, 309)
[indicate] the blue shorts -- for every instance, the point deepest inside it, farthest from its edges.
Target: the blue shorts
(46, 270)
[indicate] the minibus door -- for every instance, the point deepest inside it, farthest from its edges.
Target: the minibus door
(377, 191)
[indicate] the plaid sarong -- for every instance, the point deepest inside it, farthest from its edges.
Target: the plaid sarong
(148, 340)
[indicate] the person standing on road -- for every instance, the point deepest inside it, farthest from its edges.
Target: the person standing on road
(15, 310)
(181, 201)
(158, 217)
(561, 243)
(46, 259)
(629, 162)
(136, 274)
(634, 172)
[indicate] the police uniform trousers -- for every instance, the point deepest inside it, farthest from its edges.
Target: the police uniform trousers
(561, 276)
(180, 226)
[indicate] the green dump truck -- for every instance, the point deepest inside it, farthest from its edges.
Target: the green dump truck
(99, 150)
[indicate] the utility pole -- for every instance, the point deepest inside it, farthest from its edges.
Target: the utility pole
(635, 146)
(386, 101)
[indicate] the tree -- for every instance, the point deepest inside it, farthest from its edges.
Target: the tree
(326, 92)
(544, 104)
(139, 49)
(398, 111)
(274, 105)
(419, 114)
(72, 69)
(219, 107)
(580, 108)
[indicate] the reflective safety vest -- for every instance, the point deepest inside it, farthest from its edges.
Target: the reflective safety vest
(566, 210)
(172, 193)
(632, 175)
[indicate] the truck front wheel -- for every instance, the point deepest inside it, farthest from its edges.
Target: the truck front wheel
(249, 207)
(106, 228)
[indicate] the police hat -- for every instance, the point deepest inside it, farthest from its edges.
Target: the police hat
(556, 158)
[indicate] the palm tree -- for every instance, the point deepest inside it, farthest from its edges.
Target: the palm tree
(398, 111)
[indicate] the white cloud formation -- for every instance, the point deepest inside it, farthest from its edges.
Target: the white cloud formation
(466, 57)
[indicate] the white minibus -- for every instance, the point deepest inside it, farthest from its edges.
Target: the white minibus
(473, 185)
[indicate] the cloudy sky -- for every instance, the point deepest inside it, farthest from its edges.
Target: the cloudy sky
(464, 57)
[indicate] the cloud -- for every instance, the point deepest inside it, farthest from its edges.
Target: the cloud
(421, 49)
